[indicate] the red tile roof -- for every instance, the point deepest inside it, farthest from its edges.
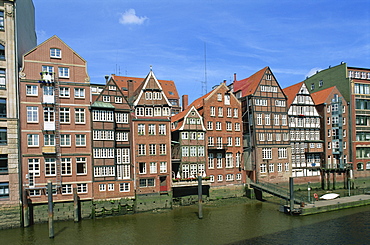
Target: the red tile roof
(168, 86)
(249, 85)
(320, 97)
(291, 92)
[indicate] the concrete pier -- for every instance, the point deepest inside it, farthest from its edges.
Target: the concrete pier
(322, 206)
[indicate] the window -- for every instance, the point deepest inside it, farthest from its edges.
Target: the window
(65, 140)
(82, 188)
(185, 151)
(67, 189)
(50, 167)
(141, 129)
(219, 160)
(64, 115)
(220, 111)
(259, 118)
(48, 114)
(141, 149)
(3, 163)
(139, 111)
(282, 153)
(211, 163)
(66, 166)
(63, 72)
(2, 79)
(227, 99)
(31, 90)
(32, 113)
(34, 166)
(4, 190)
(118, 100)
(163, 167)
(49, 140)
(79, 93)
(153, 167)
(266, 153)
(236, 112)
(104, 171)
(112, 88)
(142, 168)
(237, 141)
(263, 168)
(80, 115)
(151, 129)
(229, 126)
(47, 69)
(213, 111)
(162, 129)
(229, 160)
(228, 112)
(33, 139)
(229, 141)
(146, 183)
(276, 119)
(64, 92)
(81, 165)
(286, 167)
(284, 121)
(1, 20)
(3, 136)
(280, 167)
(312, 86)
(55, 53)
(152, 149)
(267, 119)
(124, 187)
(80, 139)
(106, 98)
(209, 125)
(218, 126)
(162, 149)
(219, 177)
(271, 167)
(102, 187)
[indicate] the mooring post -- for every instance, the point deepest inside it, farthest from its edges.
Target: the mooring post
(200, 208)
(291, 194)
(309, 192)
(76, 206)
(50, 210)
(26, 210)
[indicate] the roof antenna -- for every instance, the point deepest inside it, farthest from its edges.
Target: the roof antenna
(204, 83)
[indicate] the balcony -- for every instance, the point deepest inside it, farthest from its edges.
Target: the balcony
(48, 150)
(189, 182)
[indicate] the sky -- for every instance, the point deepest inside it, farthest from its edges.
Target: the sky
(201, 43)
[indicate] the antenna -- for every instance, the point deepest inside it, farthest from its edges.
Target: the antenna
(204, 83)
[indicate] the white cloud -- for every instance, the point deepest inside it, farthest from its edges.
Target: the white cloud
(313, 71)
(130, 18)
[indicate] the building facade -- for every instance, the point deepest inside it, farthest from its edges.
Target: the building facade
(334, 128)
(17, 35)
(306, 144)
(55, 128)
(353, 83)
(266, 144)
(111, 138)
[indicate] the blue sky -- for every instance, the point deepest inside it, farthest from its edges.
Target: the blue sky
(126, 37)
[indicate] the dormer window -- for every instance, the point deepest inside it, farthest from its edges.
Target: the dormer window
(55, 53)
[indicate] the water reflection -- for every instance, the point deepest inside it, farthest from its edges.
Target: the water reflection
(235, 223)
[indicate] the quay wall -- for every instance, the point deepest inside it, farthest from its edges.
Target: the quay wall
(10, 217)
(333, 207)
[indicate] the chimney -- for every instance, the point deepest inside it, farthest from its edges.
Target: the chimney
(130, 88)
(234, 77)
(106, 79)
(224, 81)
(185, 102)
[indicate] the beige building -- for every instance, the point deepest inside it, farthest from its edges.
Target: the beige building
(17, 35)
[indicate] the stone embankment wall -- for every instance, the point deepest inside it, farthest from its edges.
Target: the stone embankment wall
(10, 217)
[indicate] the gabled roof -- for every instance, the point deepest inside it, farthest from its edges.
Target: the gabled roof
(291, 92)
(181, 118)
(249, 85)
(320, 97)
(168, 86)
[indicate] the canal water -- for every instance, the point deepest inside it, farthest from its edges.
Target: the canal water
(237, 221)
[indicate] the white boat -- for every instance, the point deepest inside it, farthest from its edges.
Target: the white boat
(329, 196)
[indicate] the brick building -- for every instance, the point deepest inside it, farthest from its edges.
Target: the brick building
(54, 92)
(151, 135)
(221, 113)
(353, 83)
(111, 137)
(334, 128)
(266, 145)
(306, 144)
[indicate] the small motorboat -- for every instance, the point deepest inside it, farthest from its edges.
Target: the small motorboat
(329, 196)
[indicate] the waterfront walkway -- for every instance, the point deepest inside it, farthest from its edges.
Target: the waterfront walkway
(335, 204)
